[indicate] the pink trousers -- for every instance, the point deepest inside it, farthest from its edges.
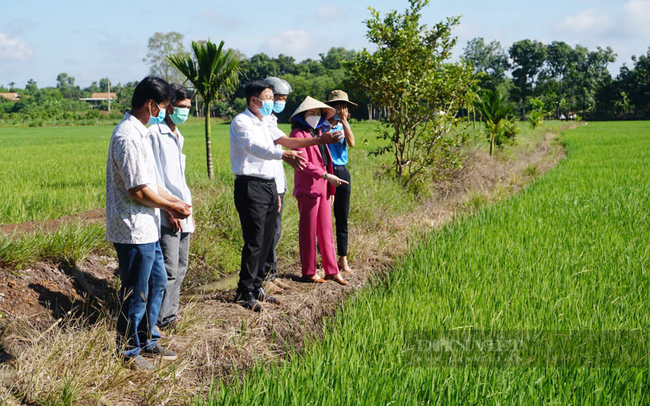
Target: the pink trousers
(316, 221)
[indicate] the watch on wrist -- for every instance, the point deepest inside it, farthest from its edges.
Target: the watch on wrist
(325, 176)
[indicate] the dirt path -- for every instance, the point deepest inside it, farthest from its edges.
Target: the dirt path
(215, 336)
(91, 216)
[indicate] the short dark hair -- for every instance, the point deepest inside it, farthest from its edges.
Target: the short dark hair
(154, 88)
(255, 88)
(181, 92)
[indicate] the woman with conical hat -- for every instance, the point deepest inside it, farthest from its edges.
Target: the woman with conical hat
(314, 186)
(339, 152)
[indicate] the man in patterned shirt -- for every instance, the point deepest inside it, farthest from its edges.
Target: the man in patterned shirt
(133, 201)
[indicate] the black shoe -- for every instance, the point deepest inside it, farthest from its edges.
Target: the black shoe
(159, 351)
(260, 294)
(248, 301)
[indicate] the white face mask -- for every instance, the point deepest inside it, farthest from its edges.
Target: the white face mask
(312, 121)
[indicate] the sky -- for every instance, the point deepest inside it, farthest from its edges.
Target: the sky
(90, 40)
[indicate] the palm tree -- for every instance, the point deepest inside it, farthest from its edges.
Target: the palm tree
(213, 73)
(495, 113)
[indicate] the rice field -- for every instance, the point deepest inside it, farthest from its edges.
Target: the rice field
(51, 172)
(561, 269)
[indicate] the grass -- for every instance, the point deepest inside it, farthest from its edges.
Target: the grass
(569, 254)
(69, 244)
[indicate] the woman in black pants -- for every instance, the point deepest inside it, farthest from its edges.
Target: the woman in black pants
(339, 152)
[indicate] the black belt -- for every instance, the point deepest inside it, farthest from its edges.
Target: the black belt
(338, 166)
(255, 179)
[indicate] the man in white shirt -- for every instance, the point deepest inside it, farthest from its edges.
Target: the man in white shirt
(167, 144)
(133, 200)
(252, 152)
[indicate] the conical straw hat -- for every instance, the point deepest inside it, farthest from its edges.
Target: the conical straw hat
(310, 104)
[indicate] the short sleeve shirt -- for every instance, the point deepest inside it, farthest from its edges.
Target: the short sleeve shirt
(130, 164)
(339, 150)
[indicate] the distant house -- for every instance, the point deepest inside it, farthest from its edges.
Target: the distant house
(10, 96)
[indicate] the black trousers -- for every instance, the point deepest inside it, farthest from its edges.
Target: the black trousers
(256, 201)
(271, 266)
(341, 210)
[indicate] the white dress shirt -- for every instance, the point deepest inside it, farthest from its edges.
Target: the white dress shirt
(252, 147)
(280, 179)
(170, 167)
(130, 163)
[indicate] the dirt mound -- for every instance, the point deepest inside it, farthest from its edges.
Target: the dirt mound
(47, 290)
(92, 216)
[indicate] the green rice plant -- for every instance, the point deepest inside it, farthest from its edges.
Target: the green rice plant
(69, 244)
(567, 257)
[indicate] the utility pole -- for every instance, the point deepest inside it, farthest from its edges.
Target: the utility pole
(109, 95)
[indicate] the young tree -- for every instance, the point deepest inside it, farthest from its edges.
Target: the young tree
(160, 46)
(214, 73)
(495, 114)
(409, 77)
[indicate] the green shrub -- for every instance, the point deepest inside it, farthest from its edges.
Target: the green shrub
(535, 119)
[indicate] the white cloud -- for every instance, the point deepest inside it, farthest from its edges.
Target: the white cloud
(329, 12)
(636, 17)
(14, 49)
(588, 21)
(291, 42)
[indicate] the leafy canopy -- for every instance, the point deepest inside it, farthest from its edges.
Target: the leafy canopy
(408, 76)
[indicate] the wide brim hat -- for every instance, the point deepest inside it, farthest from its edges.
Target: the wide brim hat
(338, 96)
(310, 104)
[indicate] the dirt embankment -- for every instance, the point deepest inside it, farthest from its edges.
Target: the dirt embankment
(215, 336)
(92, 216)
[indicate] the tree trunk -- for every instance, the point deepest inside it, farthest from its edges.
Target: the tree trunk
(208, 143)
(492, 136)
(474, 118)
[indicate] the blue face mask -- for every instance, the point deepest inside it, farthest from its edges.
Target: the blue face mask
(267, 107)
(278, 107)
(159, 119)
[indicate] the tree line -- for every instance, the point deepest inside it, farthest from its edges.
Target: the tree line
(565, 80)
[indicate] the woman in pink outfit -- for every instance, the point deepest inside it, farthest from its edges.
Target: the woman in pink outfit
(314, 187)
